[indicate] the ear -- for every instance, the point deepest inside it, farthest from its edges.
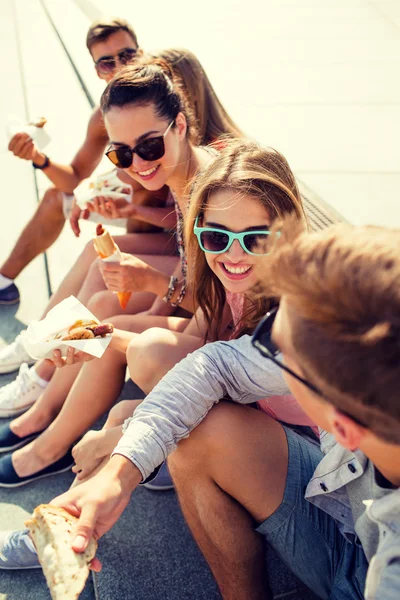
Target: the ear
(348, 433)
(181, 125)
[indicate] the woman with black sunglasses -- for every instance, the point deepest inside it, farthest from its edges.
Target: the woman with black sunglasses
(147, 123)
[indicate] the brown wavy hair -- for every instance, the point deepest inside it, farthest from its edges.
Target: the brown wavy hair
(211, 119)
(244, 168)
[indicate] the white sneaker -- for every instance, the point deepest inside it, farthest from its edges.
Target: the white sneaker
(19, 395)
(13, 356)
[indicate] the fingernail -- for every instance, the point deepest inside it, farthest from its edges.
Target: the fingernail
(80, 542)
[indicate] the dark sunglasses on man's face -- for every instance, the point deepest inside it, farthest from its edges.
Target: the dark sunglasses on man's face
(108, 64)
(150, 149)
(262, 340)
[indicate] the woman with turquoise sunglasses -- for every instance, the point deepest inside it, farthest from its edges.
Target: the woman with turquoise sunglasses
(233, 204)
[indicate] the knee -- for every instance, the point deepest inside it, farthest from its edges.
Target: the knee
(52, 203)
(121, 411)
(102, 304)
(145, 355)
(213, 435)
(89, 255)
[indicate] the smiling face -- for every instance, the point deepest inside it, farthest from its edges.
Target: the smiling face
(111, 47)
(133, 124)
(226, 210)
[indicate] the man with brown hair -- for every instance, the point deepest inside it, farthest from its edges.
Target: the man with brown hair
(332, 512)
(112, 44)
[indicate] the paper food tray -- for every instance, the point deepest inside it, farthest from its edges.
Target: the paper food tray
(37, 338)
(38, 134)
(102, 185)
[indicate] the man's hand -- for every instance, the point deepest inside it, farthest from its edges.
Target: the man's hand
(99, 503)
(76, 214)
(22, 146)
(130, 275)
(112, 208)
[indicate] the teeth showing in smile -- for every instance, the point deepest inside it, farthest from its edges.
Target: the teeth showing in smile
(148, 172)
(236, 270)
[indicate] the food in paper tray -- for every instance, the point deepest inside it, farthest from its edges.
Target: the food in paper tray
(38, 122)
(104, 187)
(84, 329)
(66, 571)
(106, 248)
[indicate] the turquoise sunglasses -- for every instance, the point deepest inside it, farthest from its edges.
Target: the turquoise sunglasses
(218, 241)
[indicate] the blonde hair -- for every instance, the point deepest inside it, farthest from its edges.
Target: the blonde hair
(211, 119)
(342, 287)
(244, 168)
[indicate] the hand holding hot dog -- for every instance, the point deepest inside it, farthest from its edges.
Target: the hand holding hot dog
(131, 274)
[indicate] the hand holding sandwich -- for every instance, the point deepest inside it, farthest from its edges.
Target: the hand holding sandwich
(112, 208)
(100, 502)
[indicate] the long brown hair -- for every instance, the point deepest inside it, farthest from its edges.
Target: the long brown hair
(244, 168)
(211, 119)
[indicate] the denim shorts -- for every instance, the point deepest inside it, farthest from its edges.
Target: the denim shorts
(307, 539)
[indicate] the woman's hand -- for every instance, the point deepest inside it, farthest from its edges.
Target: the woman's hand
(77, 213)
(99, 503)
(130, 275)
(89, 453)
(73, 356)
(112, 208)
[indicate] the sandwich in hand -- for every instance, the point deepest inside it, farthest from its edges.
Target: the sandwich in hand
(84, 329)
(52, 531)
(38, 122)
(106, 248)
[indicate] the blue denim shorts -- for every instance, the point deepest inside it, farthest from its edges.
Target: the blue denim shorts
(307, 539)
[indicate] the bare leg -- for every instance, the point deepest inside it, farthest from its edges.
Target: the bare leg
(38, 235)
(152, 354)
(103, 378)
(230, 475)
(78, 282)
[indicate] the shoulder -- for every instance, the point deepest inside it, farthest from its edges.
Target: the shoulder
(96, 128)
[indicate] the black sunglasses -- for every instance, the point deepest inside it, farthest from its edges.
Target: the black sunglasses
(150, 149)
(263, 342)
(108, 64)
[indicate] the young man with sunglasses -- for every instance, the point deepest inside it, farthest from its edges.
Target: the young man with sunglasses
(331, 513)
(112, 44)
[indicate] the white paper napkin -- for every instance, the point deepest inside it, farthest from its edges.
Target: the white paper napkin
(38, 134)
(37, 338)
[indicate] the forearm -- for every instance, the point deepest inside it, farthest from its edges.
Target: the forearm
(184, 396)
(159, 283)
(64, 177)
(161, 217)
(110, 439)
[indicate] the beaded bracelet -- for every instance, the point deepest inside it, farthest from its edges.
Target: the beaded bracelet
(171, 288)
(181, 296)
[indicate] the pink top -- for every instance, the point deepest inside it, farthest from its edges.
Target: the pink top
(282, 408)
